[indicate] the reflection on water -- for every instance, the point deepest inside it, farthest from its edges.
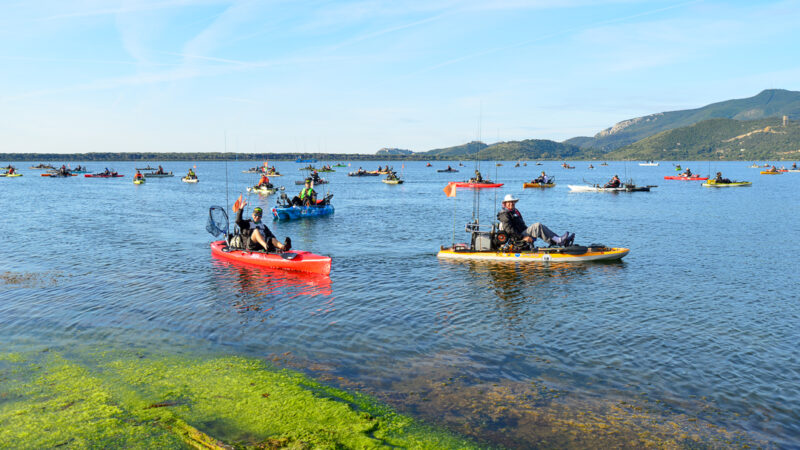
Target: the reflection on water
(258, 289)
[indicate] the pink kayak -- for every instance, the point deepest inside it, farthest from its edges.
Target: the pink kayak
(291, 260)
(477, 185)
(692, 178)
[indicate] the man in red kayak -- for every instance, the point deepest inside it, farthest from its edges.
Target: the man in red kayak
(511, 222)
(255, 233)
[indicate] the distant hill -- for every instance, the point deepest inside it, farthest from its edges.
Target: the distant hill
(769, 103)
(509, 151)
(393, 151)
(763, 139)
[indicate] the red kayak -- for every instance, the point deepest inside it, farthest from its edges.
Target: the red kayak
(101, 175)
(692, 178)
(477, 185)
(291, 260)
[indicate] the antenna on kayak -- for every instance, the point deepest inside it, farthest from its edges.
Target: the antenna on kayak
(226, 178)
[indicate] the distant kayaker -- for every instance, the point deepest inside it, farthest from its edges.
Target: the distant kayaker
(543, 178)
(449, 169)
(614, 183)
(721, 180)
(191, 174)
(687, 173)
(160, 170)
(138, 175)
(478, 178)
(255, 233)
(264, 181)
(106, 172)
(10, 170)
(794, 166)
(512, 223)
(307, 197)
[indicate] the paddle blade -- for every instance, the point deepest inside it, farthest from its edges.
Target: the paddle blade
(237, 205)
(450, 190)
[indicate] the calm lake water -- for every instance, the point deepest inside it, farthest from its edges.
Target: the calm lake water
(694, 333)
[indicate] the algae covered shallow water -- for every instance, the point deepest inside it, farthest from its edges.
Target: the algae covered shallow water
(691, 339)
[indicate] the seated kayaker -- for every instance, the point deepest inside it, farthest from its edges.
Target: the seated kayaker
(315, 177)
(307, 197)
(160, 170)
(449, 169)
(794, 166)
(478, 178)
(106, 172)
(687, 173)
(191, 175)
(255, 235)
(264, 182)
(10, 170)
(511, 222)
(721, 180)
(543, 178)
(614, 183)
(138, 175)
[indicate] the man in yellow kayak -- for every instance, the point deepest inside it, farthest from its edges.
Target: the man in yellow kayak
(512, 223)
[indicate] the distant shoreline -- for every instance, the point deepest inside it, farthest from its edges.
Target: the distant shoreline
(321, 157)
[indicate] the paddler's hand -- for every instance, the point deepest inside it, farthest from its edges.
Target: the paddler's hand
(527, 239)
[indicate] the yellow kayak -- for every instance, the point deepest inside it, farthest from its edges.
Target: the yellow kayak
(557, 254)
(770, 172)
(138, 181)
(538, 185)
(712, 183)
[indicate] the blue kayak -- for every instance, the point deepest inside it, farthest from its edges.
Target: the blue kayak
(300, 212)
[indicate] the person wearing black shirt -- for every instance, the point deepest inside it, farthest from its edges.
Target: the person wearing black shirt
(255, 233)
(512, 223)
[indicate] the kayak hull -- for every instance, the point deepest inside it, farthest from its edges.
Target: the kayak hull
(158, 175)
(585, 188)
(769, 172)
(447, 171)
(10, 175)
(189, 180)
(89, 175)
(711, 183)
(537, 185)
(540, 256)
(393, 181)
(262, 190)
(477, 185)
(303, 262)
(300, 212)
(138, 181)
(686, 178)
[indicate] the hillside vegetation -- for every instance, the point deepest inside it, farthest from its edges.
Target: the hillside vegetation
(719, 139)
(768, 103)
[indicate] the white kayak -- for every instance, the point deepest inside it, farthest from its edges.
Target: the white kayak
(189, 180)
(262, 190)
(623, 188)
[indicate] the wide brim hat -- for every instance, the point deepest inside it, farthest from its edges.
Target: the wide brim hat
(510, 198)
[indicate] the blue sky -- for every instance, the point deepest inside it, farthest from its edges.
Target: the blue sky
(355, 76)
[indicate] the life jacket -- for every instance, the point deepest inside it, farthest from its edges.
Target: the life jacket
(307, 192)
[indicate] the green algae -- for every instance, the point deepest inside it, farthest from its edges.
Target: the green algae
(141, 400)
